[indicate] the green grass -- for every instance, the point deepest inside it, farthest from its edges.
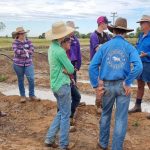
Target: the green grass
(7, 42)
(3, 77)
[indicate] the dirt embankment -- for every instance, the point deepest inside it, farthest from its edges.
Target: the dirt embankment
(26, 125)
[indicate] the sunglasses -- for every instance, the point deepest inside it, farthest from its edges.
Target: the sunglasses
(21, 33)
(66, 39)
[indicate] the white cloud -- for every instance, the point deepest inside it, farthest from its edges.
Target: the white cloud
(76, 9)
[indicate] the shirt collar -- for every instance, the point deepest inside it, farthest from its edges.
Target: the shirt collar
(118, 36)
(56, 42)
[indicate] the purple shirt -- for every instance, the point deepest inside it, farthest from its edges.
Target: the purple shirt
(75, 53)
(23, 52)
(96, 40)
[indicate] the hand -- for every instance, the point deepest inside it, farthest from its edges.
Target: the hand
(143, 54)
(27, 53)
(73, 81)
(75, 69)
(100, 89)
(65, 72)
(127, 89)
(98, 47)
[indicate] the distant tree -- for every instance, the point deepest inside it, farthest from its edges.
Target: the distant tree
(83, 36)
(88, 35)
(131, 35)
(138, 31)
(77, 33)
(42, 36)
(2, 26)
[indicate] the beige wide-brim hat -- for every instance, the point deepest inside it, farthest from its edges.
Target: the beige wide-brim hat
(59, 30)
(20, 30)
(71, 24)
(120, 23)
(145, 18)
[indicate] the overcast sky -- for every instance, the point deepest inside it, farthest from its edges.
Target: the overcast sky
(38, 15)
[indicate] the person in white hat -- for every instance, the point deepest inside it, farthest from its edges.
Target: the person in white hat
(143, 47)
(60, 67)
(23, 63)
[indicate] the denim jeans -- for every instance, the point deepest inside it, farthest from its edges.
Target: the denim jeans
(21, 71)
(75, 95)
(61, 121)
(114, 91)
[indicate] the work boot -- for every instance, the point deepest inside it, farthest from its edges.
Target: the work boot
(72, 121)
(148, 117)
(2, 114)
(23, 99)
(98, 111)
(135, 109)
(53, 145)
(100, 147)
(34, 98)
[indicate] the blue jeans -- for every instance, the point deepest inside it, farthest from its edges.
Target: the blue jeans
(21, 71)
(75, 95)
(61, 121)
(114, 91)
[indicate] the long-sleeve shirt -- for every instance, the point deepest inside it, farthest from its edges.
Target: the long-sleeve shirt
(75, 52)
(95, 40)
(113, 62)
(143, 44)
(58, 61)
(23, 52)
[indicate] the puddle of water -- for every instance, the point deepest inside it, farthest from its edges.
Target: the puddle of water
(44, 93)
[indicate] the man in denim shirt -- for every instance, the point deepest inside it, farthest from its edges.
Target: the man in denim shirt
(110, 72)
(143, 47)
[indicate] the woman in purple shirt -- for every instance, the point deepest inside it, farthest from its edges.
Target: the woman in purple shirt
(23, 65)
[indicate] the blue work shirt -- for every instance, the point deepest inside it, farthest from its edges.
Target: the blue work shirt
(113, 62)
(143, 44)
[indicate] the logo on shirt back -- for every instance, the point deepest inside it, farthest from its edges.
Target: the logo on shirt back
(116, 59)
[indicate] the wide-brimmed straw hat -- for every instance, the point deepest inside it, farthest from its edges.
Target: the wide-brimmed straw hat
(145, 18)
(71, 24)
(120, 23)
(59, 30)
(20, 30)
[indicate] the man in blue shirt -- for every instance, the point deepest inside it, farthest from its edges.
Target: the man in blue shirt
(111, 74)
(143, 47)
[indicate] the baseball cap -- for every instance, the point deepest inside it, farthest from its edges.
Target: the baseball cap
(102, 19)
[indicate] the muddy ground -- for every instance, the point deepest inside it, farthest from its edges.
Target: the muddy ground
(26, 125)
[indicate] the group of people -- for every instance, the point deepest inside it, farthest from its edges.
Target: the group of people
(115, 64)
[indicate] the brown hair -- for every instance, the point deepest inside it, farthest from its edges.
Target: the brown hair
(119, 31)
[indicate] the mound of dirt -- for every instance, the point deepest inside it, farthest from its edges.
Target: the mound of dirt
(26, 125)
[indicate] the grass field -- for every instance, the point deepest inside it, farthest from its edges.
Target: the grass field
(7, 42)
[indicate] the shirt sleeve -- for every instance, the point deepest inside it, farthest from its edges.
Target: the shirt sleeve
(137, 67)
(17, 51)
(94, 43)
(31, 48)
(78, 65)
(62, 56)
(94, 68)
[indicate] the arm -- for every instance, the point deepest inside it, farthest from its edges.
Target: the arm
(62, 56)
(79, 56)
(94, 42)
(31, 48)
(17, 51)
(137, 67)
(94, 69)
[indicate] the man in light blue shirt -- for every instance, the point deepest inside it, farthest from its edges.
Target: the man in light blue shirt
(143, 47)
(110, 73)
